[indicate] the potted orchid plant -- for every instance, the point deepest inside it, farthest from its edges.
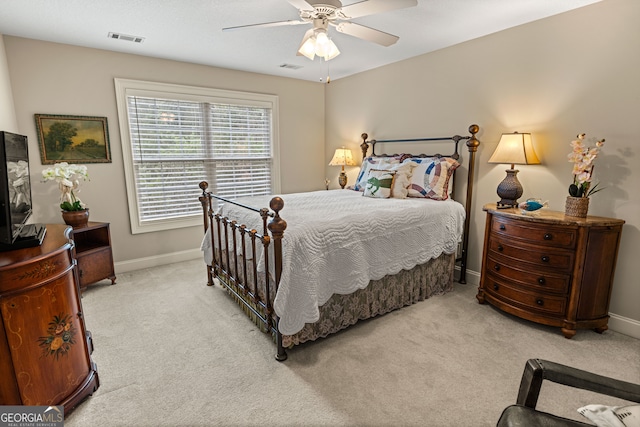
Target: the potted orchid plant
(68, 177)
(582, 158)
(580, 189)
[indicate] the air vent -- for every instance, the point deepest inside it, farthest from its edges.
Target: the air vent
(135, 39)
(291, 66)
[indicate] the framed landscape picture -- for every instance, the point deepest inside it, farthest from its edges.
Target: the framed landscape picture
(73, 139)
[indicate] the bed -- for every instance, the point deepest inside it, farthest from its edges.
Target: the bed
(341, 256)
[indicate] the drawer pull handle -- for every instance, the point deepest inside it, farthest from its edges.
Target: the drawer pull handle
(500, 248)
(502, 227)
(496, 267)
(547, 236)
(545, 258)
(540, 302)
(541, 280)
(495, 287)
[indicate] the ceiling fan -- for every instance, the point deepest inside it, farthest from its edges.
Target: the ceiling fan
(322, 13)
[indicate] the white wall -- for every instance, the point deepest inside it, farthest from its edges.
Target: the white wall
(7, 112)
(572, 73)
(53, 78)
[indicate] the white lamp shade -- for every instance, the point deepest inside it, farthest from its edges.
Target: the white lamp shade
(342, 157)
(307, 47)
(515, 148)
(322, 43)
(331, 51)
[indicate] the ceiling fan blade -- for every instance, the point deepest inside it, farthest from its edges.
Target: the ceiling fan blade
(366, 33)
(369, 7)
(301, 4)
(266, 24)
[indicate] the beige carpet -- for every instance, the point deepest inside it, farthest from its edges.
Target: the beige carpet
(165, 342)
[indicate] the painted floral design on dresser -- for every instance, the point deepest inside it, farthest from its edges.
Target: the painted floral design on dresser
(40, 271)
(60, 338)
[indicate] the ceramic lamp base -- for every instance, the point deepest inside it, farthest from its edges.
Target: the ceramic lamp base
(342, 180)
(509, 190)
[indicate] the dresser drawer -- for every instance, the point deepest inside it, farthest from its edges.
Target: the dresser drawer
(95, 265)
(535, 233)
(530, 301)
(544, 281)
(28, 275)
(560, 260)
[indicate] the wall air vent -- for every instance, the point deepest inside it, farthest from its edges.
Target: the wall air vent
(125, 37)
(291, 66)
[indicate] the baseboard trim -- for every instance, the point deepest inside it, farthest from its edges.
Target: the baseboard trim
(620, 324)
(624, 325)
(473, 277)
(155, 261)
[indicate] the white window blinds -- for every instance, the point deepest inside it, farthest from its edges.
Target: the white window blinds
(176, 143)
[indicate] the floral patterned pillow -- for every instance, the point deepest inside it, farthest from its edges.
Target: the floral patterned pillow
(379, 183)
(430, 177)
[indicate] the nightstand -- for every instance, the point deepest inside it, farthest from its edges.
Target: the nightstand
(93, 253)
(550, 268)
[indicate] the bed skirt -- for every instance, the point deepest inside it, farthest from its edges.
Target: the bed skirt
(408, 287)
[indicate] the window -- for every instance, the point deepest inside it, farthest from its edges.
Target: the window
(175, 136)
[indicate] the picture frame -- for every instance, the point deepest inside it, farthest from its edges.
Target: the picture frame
(73, 139)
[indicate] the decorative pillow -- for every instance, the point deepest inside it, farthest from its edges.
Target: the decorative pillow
(368, 163)
(402, 157)
(430, 178)
(379, 183)
(402, 180)
(612, 416)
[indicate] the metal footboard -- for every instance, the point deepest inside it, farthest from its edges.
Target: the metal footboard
(235, 251)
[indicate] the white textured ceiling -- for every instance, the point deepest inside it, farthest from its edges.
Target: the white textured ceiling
(191, 30)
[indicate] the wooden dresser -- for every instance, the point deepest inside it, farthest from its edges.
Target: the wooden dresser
(550, 268)
(44, 346)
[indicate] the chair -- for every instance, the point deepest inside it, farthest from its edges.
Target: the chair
(524, 412)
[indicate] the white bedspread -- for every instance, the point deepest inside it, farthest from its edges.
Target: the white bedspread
(337, 241)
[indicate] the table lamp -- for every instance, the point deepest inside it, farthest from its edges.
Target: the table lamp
(342, 157)
(513, 148)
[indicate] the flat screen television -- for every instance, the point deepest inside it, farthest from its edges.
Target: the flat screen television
(15, 193)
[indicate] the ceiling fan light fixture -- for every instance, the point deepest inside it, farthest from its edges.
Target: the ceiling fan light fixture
(322, 13)
(331, 51)
(322, 42)
(318, 43)
(308, 48)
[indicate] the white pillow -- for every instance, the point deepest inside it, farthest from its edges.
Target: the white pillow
(401, 183)
(612, 416)
(368, 163)
(379, 184)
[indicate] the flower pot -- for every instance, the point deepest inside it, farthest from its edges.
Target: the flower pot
(576, 206)
(76, 219)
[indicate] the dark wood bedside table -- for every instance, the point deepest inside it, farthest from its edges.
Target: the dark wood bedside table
(550, 268)
(93, 253)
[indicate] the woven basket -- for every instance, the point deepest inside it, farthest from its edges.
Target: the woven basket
(576, 206)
